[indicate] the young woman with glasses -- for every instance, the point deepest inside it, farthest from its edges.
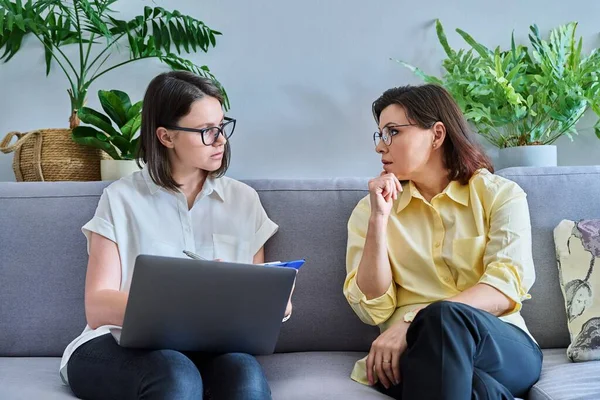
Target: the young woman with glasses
(180, 201)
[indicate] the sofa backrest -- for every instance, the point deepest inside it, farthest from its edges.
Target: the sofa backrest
(42, 265)
(43, 257)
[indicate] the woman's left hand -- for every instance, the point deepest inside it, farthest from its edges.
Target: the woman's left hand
(288, 308)
(384, 357)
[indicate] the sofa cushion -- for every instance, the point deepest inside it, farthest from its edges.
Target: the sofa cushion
(577, 253)
(315, 375)
(32, 378)
(562, 379)
(318, 375)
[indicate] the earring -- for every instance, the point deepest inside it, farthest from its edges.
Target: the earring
(434, 145)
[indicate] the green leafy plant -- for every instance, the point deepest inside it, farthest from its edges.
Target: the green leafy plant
(121, 142)
(522, 96)
(88, 24)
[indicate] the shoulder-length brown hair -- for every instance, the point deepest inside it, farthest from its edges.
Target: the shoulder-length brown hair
(427, 104)
(168, 98)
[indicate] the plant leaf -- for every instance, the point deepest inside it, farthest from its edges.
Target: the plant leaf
(100, 121)
(132, 127)
(133, 46)
(113, 106)
(10, 21)
(120, 143)
(13, 44)
(178, 63)
(166, 37)
(134, 110)
(157, 34)
(192, 34)
(88, 136)
(183, 37)
(95, 22)
(48, 53)
(513, 48)
(20, 22)
(483, 51)
(426, 78)
(443, 39)
(133, 147)
(204, 40)
(175, 36)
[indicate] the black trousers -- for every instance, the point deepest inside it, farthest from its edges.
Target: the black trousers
(457, 352)
(101, 369)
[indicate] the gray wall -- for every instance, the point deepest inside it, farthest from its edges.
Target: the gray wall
(302, 75)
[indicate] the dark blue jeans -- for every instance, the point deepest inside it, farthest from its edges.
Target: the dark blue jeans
(457, 352)
(101, 369)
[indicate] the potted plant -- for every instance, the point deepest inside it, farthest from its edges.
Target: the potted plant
(92, 28)
(522, 99)
(119, 143)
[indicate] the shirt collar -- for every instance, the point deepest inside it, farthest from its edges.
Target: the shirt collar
(457, 192)
(153, 187)
(408, 190)
(211, 185)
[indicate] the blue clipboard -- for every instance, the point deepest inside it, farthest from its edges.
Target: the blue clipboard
(296, 264)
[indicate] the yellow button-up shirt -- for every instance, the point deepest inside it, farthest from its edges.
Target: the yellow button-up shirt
(468, 234)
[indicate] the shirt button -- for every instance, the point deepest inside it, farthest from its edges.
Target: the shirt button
(437, 245)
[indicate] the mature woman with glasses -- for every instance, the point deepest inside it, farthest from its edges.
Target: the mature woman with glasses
(180, 201)
(439, 256)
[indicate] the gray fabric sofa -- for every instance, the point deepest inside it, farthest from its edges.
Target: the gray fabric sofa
(43, 262)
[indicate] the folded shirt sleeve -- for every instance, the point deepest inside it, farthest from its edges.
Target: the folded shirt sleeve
(102, 222)
(264, 228)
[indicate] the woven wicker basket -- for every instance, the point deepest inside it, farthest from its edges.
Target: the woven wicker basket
(51, 155)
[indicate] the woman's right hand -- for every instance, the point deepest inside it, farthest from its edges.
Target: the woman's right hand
(383, 191)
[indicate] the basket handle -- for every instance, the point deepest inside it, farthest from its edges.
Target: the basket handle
(21, 139)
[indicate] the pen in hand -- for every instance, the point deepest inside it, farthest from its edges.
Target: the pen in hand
(193, 255)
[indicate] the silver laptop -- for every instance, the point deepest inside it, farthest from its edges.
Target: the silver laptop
(205, 306)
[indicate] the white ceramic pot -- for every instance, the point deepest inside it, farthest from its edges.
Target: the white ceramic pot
(112, 170)
(527, 156)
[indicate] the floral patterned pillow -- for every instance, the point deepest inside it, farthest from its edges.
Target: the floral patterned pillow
(577, 253)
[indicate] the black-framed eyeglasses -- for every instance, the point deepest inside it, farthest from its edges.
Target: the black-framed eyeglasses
(386, 134)
(210, 135)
